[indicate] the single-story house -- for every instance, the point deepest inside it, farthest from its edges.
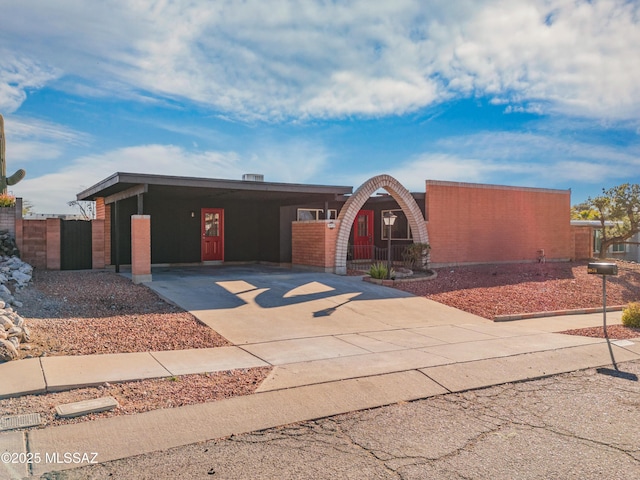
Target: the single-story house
(166, 220)
(588, 235)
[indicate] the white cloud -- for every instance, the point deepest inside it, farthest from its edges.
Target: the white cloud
(506, 158)
(267, 60)
(30, 140)
(18, 74)
(297, 162)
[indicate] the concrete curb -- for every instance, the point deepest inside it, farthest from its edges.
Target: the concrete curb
(157, 430)
(556, 313)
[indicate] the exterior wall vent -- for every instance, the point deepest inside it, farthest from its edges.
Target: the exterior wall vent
(253, 177)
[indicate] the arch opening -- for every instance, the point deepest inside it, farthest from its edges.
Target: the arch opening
(353, 205)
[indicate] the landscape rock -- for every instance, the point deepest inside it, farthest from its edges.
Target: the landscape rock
(21, 278)
(7, 351)
(5, 322)
(17, 274)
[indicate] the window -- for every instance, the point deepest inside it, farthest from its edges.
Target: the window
(400, 229)
(597, 243)
(618, 248)
(315, 214)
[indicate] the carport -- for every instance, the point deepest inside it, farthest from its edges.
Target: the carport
(202, 220)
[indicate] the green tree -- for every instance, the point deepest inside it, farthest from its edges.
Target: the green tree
(583, 211)
(619, 214)
(27, 207)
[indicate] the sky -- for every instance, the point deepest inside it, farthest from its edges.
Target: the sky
(536, 93)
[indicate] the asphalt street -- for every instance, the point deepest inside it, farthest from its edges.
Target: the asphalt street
(581, 425)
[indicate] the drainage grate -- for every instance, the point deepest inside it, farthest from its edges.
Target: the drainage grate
(20, 421)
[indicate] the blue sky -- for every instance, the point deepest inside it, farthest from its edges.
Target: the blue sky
(539, 93)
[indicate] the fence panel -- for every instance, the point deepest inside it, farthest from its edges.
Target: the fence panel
(75, 245)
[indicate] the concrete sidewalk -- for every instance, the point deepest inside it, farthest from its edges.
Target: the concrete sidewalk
(308, 360)
(336, 345)
(429, 363)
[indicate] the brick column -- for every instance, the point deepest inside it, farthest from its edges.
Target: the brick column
(53, 244)
(97, 244)
(141, 248)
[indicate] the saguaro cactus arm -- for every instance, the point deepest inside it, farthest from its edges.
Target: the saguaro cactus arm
(4, 180)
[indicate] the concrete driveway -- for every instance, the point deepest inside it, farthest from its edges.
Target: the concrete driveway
(257, 304)
(316, 327)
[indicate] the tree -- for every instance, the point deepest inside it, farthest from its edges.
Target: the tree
(619, 214)
(583, 211)
(27, 207)
(87, 208)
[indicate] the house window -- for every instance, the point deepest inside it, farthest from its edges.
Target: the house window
(400, 229)
(597, 243)
(315, 214)
(618, 248)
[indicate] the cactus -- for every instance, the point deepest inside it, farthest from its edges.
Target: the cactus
(4, 180)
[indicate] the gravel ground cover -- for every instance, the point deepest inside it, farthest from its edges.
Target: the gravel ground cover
(509, 289)
(82, 313)
(141, 396)
(86, 312)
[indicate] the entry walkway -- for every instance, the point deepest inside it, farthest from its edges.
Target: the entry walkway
(337, 344)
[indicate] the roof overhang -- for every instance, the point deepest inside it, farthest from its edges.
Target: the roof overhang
(120, 186)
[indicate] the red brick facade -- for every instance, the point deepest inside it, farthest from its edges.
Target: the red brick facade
(474, 223)
(314, 244)
(53, 243)
(33, 244)
(581, 239)
(141, 248)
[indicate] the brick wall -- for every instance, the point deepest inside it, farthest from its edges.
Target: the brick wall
(98, 242)
(33, 248)
(140, 248)
(313, 244)
(103, 213)
(53, 260)
(582, 240)
(474, 223)
(8, 219)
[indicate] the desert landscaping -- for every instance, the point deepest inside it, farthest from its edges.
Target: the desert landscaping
(99, 312)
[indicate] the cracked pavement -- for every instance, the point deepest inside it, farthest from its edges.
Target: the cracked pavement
(579, 425)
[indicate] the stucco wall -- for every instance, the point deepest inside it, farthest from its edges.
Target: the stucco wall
(474, 223)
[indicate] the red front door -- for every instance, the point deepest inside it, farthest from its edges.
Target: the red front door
(363, 235)
(212, 234)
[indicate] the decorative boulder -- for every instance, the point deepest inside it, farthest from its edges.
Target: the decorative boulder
(8, 351)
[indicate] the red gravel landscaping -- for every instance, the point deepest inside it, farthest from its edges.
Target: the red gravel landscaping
(509, 289)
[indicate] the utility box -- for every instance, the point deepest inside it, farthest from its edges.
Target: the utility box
(602, 268)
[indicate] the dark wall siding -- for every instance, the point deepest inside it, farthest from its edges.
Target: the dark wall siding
(254, 231)
(175, 235)
(126, 208)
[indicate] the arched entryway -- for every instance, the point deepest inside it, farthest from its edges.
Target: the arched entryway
(353, 205)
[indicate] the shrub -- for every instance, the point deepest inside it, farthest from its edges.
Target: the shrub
(7, 200)
(415, 255)
(379, 270)
(631, 315)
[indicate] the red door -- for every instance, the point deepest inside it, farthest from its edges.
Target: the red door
(212, 234)
(363, 235)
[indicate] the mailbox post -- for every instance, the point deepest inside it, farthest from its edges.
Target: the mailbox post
(604, 269)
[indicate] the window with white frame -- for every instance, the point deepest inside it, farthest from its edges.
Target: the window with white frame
(315, 214)
(400, 229)
(597, 243)
(618, 248)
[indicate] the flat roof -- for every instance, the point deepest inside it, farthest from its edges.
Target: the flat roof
(119, 183)
(495, 187)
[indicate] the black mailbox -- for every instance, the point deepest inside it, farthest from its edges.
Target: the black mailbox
(602, 268)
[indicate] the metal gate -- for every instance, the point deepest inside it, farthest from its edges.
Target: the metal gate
(75, 245)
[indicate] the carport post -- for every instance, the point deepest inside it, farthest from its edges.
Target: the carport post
(117, 235)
